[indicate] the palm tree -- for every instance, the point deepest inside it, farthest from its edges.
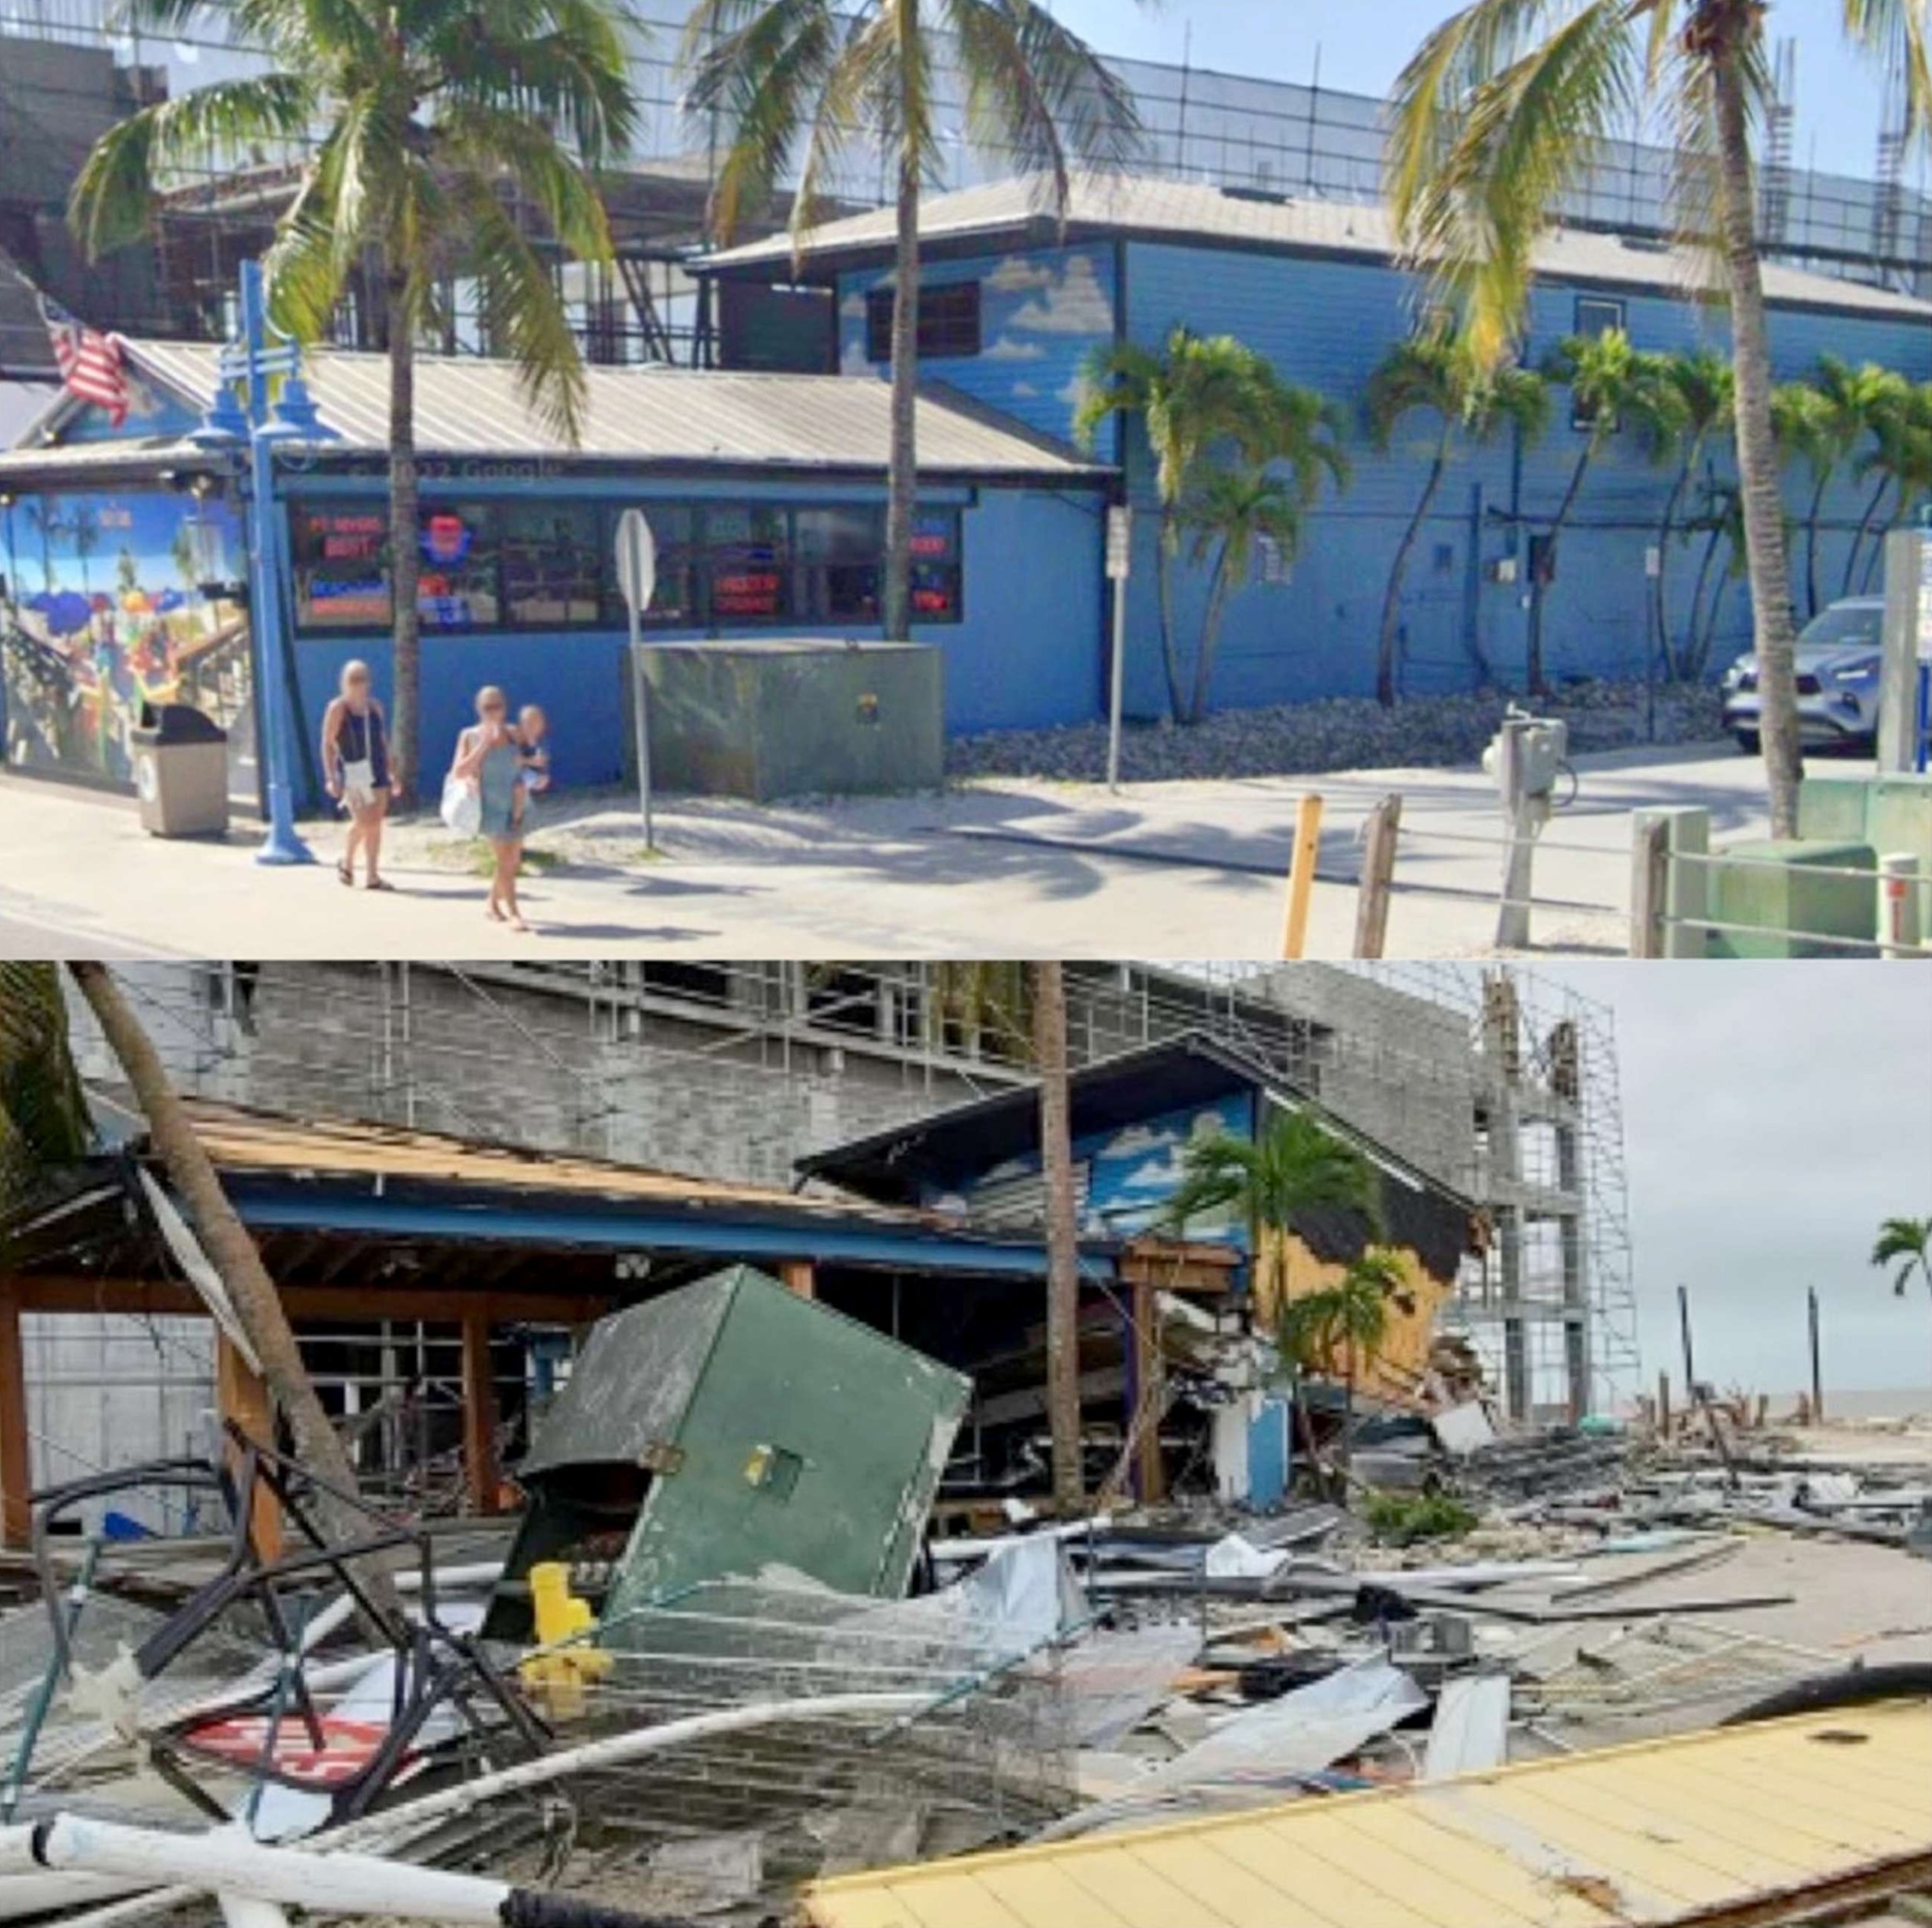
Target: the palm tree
(1503, 110)
(1295, 1165)
(1347, 1321)
(1612, 386)
(1906, 1243)
(1201, 399)
(421, 123)
(1235, 508)
(231, 1251)
(799, 80)
(1434, 374)
(1722, 518)
(1901, 458)
(1702, 384)
(1063, 1238)
(1823, 421)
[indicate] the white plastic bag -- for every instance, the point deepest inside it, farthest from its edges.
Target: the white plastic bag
(462, 806)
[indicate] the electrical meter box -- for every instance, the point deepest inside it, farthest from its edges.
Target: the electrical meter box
(726, 1427)
(1543, 747)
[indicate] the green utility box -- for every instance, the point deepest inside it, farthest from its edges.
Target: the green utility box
(1789, 886)
(1890, 813)
(787, 718)
(728, 1427)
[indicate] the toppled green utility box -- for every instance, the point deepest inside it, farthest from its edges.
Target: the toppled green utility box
(725, 1428)
(795, 718)
(1788, 888)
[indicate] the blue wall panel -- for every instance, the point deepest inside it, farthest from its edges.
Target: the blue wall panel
(1325, 324)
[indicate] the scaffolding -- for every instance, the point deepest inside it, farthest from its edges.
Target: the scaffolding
(1500, 1083)
(1264, 137)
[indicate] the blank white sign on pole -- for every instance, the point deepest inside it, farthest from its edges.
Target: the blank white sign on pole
(1120, 564)
(637, 578)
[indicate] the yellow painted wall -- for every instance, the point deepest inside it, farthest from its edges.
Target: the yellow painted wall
(1398, 1368)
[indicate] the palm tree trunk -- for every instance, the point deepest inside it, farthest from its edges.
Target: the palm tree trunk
(405, 551)
(1385, 689)
(232, 1254)
(902, 487)
(1757, 449)
(1666, 527)
(1864, 533)
(1164, 583)
(1539, 586)
(1062, 1250)
(1811, 521)
(1211, 637)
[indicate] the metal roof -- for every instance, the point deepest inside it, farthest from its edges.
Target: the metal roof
(1734, 1824)
(1186, 211)
(468, 405)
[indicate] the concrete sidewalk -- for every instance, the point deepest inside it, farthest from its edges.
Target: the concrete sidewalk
(1192, 870)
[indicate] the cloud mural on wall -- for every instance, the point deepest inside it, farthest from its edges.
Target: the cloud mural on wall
(1073, 303)
(1006, 349)
(1017, 275)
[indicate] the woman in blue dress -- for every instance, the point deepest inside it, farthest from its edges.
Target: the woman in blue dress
(489, 754)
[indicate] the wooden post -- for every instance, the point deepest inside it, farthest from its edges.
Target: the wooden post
(1301, 874)
(242, 1395)
(1372, 906)
(798, 1277)
(1664, 1405)
(16, 1478)
(1150, 1396)
(480, 1474)
(1650, 848)
(1817, 1358)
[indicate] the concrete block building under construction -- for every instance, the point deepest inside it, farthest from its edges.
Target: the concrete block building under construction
(1492, 1086)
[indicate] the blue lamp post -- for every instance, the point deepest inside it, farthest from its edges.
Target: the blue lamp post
(249, 363)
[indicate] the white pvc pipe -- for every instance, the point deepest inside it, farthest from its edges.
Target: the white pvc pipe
(399, 1823)
(231, 1864)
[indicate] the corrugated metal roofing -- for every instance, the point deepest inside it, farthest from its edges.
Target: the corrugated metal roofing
(1662, 1831)
(1189, 211)
(466, 405)
(238, 1139)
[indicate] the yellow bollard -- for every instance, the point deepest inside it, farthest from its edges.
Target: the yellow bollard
(1301, 874)
(557, 1678)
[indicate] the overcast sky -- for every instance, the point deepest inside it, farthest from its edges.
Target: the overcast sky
(1773, 1114)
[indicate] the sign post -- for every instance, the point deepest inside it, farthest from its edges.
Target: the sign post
(1120, 565)
(637, 577)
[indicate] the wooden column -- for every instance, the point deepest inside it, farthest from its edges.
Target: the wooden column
(1150, 1394)
(482, 1474)
(798, 1276)
(241, 1395)
(16, 1478)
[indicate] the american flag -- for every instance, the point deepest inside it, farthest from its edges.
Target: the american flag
(89, 362)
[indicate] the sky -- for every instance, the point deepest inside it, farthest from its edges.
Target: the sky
(1773, 1114)
(1362, 49)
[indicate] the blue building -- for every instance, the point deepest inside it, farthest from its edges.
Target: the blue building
(122, 551)
(1013, 302)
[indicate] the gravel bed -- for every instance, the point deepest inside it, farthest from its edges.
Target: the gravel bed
(1339, 733)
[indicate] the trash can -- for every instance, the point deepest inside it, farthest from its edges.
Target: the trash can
(181, 771)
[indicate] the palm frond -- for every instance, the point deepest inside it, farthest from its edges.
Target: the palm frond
(207, 128)
(521, 307)
(1897, 34)
(44, 1115)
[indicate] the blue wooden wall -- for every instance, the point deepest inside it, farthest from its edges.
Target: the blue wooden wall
(1325, 324)
(1026, 652)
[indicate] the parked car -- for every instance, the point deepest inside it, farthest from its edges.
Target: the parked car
(1838, 656)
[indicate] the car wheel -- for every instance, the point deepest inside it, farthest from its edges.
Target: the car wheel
(1747, 741)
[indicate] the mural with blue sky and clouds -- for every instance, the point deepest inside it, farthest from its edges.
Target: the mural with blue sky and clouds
(1041, 314)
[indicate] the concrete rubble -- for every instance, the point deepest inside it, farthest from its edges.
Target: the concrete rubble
(547, 1731)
